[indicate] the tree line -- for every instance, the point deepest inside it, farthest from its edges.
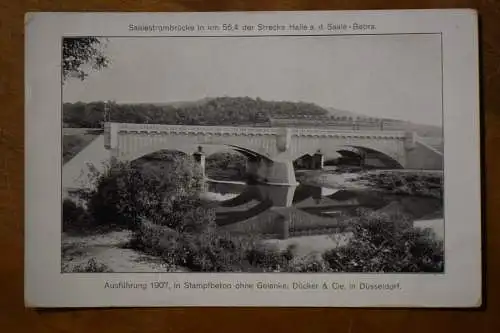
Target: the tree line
(230, 111)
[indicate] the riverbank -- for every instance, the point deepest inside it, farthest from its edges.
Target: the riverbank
(411, 204)
(107, 252)
(410, 182)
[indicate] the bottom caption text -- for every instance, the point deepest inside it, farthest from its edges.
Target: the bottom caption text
(258, 285)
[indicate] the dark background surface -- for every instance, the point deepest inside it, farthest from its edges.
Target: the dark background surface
(15, 318)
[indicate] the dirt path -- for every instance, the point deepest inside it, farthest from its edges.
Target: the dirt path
(109, 250)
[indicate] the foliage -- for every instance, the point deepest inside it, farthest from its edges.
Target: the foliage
(83, 115)
(75, 217)
(78, 52)
(92, 266)
(424, 184)
(160, 192)
(379, 243)
(308, 264)
(210, 252)
(224, 160)
(230, 111)
(225, 111)
(204, 250)
(226, 166)
(387, 243)
(270, 258)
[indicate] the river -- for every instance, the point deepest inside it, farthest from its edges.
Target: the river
(310, 214)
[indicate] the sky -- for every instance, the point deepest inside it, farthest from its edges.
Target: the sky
(392, 76)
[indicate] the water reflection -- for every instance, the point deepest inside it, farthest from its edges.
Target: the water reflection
(290, 211)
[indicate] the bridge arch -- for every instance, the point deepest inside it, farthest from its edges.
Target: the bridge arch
(161, 154)
(371, 156)
(188, 149)
(135, 154)
(376, 156)
(227, 164)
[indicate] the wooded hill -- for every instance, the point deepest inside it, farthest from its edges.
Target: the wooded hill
(223, 111)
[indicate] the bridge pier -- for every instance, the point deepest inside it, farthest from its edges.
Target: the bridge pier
(279, 196)
(276, 173)
(317, 161)
(271, 172)
(199, 158)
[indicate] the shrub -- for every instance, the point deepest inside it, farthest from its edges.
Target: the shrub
(224, 160)
(160, 192)
(206, 251)
(210, 252)
(149, 237)
(92, 266)
(309, 263)
(270, 258)
(406, 183)
(387, 243)
(187, 214)
(74, 217)
(226, 165)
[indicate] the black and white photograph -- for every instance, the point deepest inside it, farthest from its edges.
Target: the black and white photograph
(311, 154)
(305, 159)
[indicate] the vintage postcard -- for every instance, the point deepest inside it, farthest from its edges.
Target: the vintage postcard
(253, 159)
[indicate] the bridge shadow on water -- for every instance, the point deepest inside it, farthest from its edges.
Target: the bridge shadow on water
(289, 211)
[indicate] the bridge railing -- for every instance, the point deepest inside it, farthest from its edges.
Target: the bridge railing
(237, 130)
(329, 132)
(326, 122)
(198, 129)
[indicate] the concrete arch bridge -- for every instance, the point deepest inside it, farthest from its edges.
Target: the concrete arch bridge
(270, 151)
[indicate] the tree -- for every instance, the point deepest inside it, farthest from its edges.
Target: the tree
(81, 55)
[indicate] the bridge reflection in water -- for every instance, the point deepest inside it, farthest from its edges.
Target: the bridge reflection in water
(281, 212)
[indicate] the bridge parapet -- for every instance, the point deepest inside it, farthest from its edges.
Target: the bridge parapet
(187, 129)
(351, 133)
(228, 130)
